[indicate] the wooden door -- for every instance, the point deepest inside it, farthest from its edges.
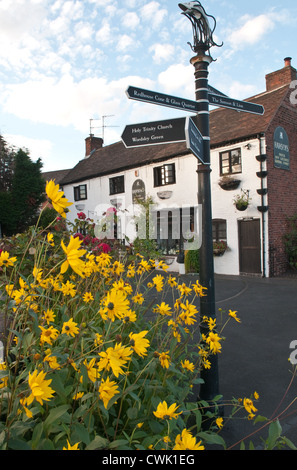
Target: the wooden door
(249, 234)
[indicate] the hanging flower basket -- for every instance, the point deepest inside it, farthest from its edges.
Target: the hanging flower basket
(219, 248)
(242, 201)
(228, 183)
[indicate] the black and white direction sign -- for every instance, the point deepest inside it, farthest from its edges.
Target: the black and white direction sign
(154, 133)
(194, 139)
(160, 99)
(225, 102)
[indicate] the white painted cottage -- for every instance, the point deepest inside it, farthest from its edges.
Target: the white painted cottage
(251, 156)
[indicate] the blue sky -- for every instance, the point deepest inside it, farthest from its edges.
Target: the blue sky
(64, 62)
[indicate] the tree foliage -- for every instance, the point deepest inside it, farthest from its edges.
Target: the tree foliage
(21, 190)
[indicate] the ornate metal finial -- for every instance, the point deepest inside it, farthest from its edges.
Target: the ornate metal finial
(203, 33)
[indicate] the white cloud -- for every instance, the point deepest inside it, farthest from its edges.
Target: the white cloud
(104, 35)
(125, 43)
(66, 102)
(162, 52)
(153, 13)
(38, 148)
(178, 78)
(131, 20)
(252, 30)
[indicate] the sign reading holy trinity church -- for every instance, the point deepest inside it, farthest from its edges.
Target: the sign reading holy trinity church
(281, 149)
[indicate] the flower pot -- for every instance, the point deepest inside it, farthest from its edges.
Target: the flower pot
(261, 158)
(241, 208)
(262, 174)
(262, 192)
(229, 184)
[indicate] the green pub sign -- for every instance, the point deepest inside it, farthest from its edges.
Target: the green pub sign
(281, 149)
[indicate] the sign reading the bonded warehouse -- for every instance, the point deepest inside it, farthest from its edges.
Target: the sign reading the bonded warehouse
(281, 149)
(138, 191)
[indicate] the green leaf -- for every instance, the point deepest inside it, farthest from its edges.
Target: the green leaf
(132, 413)
(274, 434)
(213, 439)
(37, 433)
(54, 415)
(97, 444)
(118, 443)
(18, 444)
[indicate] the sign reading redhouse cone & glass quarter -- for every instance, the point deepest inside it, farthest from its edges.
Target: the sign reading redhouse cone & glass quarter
(281, 149)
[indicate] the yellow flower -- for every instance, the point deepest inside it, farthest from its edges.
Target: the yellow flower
(5, 260)
(40, 389)
(249, 406)
(163, 412)
(188, 365)
(52, 361)
(50, 239)
(98, 340)
(130, 317)
(29, 413)
(115, 305)
(57, 199)
(70, 447)
(103, 260)
(219, 423)
(73, 254)
(233, 315)
(164, 359)
(92, 371)
(256, 395)
(213, 340)
(78, 395)
(115, 358)
(185, 441)
(107, 390)
(138, 299)
(68, 288)
(198, 289)
(70, 328)
(188, 313)
(4, 380)
(139, 343)
(49, 316)
(172, 281)
(184, 289)
(48, 335)
(88, 297)
(158, 282)
(163, 309)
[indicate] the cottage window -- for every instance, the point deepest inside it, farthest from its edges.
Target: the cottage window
(219, 230)
(116, 185)
(230, 162)
(80, 192)
(164, 175)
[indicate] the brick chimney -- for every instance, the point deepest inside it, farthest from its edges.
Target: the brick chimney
(281, 77)
(93, 143)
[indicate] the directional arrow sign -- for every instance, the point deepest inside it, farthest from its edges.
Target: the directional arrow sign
(225, 102)
(194, 139)
(160, 99)
(154, 133)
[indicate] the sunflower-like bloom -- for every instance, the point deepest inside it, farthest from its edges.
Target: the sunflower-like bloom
(40, 389)
(187, 365)
(5, 260)
(48, 335)
(115, 359)
(70, 328)
(115, 305)
(57, 198)
(139, 343)
(213, 340)
(70, 447)
(163, 412)
(107, 390)
(163, 309)
(164, 359)
(185, 441)
(73, 253)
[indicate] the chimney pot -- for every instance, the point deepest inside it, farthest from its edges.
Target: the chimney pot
(93, 143)
(288, 61)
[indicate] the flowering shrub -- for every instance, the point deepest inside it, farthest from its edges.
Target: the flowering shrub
(96, 357)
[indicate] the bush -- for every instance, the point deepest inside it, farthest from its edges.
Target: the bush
(192, 261)
(95, 356)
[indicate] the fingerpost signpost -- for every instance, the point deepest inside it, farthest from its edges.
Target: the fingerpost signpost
(194, 130)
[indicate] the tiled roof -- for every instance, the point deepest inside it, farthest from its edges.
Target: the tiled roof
(56, 176)
(225, 126)
(228, 125)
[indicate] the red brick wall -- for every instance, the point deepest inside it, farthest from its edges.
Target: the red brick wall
(282, 186)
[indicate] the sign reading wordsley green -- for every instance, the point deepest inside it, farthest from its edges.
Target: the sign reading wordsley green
(281, 149)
